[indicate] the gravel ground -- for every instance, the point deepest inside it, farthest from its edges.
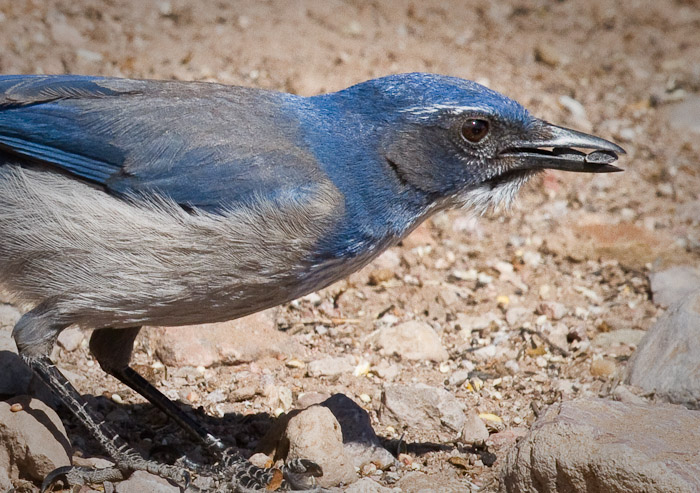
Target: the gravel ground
(535, 305)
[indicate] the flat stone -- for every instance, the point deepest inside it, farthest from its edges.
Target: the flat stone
(413, 340)
(142, 481)
(418, 482)
(666, 360)
(243, 340)
(674, 284)
(331, 366)
(32, 439)
(424, 409)
(630, 337)
(596, 445)
(310, 398)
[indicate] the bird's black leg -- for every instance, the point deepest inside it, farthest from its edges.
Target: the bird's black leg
(35, 334)
(112, 349)
(125, 458)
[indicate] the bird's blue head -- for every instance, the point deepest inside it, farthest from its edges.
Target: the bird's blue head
(460, 142)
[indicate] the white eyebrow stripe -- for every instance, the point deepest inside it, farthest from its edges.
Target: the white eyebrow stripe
(434, 108)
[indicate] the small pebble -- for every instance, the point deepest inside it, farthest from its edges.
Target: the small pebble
(362, 368)
(405, 459)
(601, 367)
(16, 407)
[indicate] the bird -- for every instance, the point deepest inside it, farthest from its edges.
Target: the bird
(129, 202)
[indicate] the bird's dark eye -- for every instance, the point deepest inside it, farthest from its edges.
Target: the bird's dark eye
(474, 130)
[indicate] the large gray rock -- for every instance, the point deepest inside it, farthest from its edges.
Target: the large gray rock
(33, 441)
(423, 408)
(667, 361)
(674, 284)
(596, 445)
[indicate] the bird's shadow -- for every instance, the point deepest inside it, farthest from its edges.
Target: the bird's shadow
(157, 437)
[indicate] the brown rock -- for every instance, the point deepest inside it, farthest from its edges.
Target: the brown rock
(595, 445)
(33, 441)
(243, 340)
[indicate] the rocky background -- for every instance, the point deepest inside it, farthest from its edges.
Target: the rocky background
(553, 347)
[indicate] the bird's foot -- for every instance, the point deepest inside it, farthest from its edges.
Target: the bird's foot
(127, 463)
(233, 473)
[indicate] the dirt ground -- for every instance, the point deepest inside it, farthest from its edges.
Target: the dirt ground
(587, 242)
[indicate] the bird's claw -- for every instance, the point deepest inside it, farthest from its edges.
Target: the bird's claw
(233, 473)
(77, 476)
(300, 473)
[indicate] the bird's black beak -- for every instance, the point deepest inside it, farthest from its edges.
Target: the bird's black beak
(552, 147)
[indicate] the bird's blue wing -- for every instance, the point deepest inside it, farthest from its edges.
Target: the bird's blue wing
(202, 145)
